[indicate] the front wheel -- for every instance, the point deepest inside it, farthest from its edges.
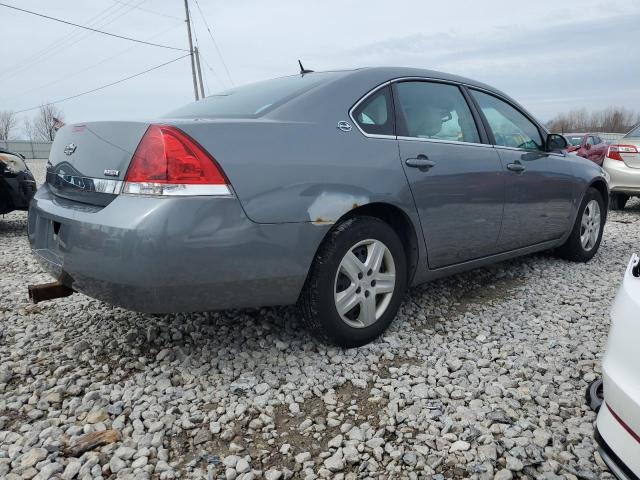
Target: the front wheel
(356, 282)
(586, 235)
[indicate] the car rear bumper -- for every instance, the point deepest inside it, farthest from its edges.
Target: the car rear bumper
(615, 464)
(17, 190)
(623, 179)
(163, 255)
(621, 377)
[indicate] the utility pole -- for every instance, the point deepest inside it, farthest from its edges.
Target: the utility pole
(193, 65)
(199, 72)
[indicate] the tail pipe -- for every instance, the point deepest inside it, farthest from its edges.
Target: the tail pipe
(48, 291)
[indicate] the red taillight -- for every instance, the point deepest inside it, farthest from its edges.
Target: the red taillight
(615, 150)
(169, 162)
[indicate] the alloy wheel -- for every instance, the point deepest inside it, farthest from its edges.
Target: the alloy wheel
(364, 283)
(590, 225)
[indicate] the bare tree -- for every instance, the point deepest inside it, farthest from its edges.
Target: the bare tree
(46, 123)
(8, 122)
(612, 119)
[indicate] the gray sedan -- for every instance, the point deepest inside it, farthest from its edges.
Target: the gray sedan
(333, 190)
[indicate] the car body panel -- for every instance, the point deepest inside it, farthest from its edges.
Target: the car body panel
(293, 174)
(625, 174)
(171, 254)
(621, 375)
(539, 201)
(460, 200)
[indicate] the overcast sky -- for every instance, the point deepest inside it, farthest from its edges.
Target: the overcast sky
(550, 55)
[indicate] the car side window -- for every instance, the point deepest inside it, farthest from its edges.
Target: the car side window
(435, 111)
(375, 114)
(510, 127)
(597, 140)
(590, 140)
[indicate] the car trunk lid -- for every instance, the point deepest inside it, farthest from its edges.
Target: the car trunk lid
(631, 160)
(89, 161)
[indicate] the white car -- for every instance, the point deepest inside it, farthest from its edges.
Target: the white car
(618, 423)
(622, 163)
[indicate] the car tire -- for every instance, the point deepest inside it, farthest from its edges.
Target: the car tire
(617, 201)
(575, 249)
(335, 277)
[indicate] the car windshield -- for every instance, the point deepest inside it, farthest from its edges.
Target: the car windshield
(634, 133)
(574, 140)
(253, 100)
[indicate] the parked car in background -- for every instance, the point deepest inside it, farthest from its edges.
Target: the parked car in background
(17, 185)
(588, 145)
(335, 190)
(622, 163)
(618, 424)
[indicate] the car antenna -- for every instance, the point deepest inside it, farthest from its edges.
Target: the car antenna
(302, 69)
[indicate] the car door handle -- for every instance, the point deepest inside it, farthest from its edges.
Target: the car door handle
(421, 162)
(516, 167)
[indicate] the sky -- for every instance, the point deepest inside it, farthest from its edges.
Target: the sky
(550, 55)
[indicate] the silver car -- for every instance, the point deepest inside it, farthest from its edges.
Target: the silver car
(622, 163)
(333, 190)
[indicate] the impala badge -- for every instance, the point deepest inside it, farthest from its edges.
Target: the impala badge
(344, 126)
(111, 173)
(69, 149)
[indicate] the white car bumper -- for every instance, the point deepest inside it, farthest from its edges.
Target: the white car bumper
(618, 420)
(624, 179)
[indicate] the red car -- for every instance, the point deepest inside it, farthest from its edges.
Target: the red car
(587, 145)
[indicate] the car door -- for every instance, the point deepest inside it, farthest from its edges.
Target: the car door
(456, 180)
(539, 184)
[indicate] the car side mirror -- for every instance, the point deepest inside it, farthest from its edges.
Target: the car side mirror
(556, 143)
(588, 146)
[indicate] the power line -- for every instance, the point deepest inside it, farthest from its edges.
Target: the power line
(58, 44)
(92, 29)
(75, 73)
(105, 86)
(214, 42)
(151, 11)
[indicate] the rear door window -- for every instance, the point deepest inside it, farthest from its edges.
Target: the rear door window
(435, 111)
(510, 127)
(375, 114)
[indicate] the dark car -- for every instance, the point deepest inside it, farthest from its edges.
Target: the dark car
(333, 190)
(17, 185)
(588, 145)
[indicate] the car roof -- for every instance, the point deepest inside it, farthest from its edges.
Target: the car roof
(380, 75)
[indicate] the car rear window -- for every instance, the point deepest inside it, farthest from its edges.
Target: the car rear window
(634, 133)
(253, 100)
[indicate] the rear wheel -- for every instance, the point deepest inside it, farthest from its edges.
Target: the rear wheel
(617, 201)
(585, 238)
(356, 282)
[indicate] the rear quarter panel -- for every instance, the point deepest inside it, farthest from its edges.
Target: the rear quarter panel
(295, 165)
(305, 172)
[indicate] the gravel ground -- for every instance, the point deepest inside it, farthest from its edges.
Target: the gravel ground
(481, 376)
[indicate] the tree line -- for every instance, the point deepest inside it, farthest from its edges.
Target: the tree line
(41, 127)
(611, 120)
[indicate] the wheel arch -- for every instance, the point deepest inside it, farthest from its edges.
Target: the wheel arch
(601, 186)
(397, 219)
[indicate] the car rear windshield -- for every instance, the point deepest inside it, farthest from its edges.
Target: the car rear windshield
(634, 133)
(253, 100)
